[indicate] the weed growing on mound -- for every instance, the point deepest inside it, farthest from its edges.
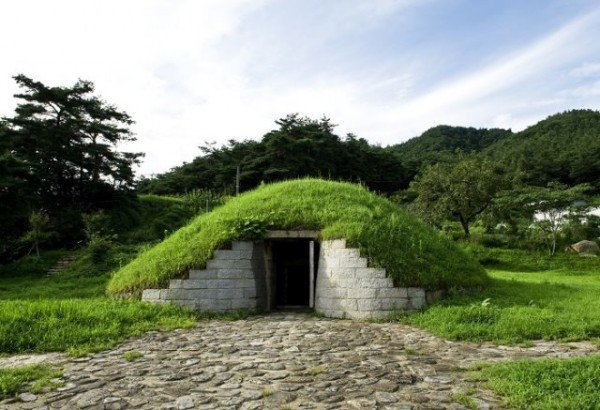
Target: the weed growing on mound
(412, 253)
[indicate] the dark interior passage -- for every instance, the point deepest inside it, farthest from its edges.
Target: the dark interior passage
(292, 272)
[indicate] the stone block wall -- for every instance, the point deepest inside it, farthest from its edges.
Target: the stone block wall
(233, 280)
(347, 287)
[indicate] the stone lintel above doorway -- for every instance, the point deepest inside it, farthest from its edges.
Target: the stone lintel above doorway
(304, 234)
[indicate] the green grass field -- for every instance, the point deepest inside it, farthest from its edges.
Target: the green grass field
(546, 384)
(531, 296)
(70, 312)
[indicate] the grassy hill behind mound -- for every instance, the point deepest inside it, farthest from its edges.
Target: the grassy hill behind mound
(412, 253)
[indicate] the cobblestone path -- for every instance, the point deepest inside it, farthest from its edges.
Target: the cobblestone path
(283, 361)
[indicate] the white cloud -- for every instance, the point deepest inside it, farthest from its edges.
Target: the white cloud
(190, 71)
(588, 90)
(481, 94)
(586, 70)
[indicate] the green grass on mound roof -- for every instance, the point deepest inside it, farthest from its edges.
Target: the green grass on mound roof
(412, 253)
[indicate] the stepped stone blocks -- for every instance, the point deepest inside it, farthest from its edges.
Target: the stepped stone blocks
(347, 287)
(233, 280)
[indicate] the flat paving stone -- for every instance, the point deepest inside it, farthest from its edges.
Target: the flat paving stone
(283, 360)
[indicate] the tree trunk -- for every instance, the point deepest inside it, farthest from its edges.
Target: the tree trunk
(465, 226)
(553, 249)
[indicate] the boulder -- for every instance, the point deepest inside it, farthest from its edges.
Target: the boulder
(589, 247)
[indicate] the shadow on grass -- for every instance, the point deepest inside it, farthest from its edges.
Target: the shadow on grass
(511, 292)
(54, 288)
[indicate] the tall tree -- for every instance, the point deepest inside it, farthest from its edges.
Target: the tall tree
(67, 137)
(552, 205)
(460, 191)
(14, 193)
(59, 152)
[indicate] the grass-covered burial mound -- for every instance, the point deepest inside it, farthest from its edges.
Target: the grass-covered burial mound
(412, 253)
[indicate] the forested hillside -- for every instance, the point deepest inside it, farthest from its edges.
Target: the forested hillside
(63, 181)
(441, 144)
(299, 147)
(564, 147)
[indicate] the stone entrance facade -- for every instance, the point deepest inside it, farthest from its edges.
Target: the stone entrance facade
(340, 282)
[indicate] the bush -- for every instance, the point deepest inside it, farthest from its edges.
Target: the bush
(98, 249)
(98, 225)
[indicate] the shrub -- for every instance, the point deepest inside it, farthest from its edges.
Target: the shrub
(98, 248)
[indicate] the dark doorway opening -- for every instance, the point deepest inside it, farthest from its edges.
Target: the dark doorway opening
(292, 268)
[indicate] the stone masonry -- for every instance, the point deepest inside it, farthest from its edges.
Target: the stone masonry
(347, 287)
(281, 361)
(231, 281)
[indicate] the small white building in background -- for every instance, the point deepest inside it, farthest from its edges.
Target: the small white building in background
(540, 216)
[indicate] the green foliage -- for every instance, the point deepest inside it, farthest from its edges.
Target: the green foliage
(99, 234)
(440, 144)
(14, 194)
(546, 383)
(198, 201)
(459, 191)
(37, 377)
(466, 400)
(98, 225)
(98, 249)
(58, 152)
(563, 148)
(531, 296)
(577, 228)
(31, 265)
(148, 218)
(26, 278)
(299, 147)
(555, 204)
(412, 253)
(40, 230)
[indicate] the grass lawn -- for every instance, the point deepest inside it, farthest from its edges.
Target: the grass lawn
(39, 376)
(70, 312)
(531, 296)
(546, 384)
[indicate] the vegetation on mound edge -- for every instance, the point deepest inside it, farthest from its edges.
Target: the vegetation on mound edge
(412, 253)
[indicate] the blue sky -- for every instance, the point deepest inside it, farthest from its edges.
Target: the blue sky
(193, 71)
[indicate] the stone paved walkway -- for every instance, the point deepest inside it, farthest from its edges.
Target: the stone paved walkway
(279, 361)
